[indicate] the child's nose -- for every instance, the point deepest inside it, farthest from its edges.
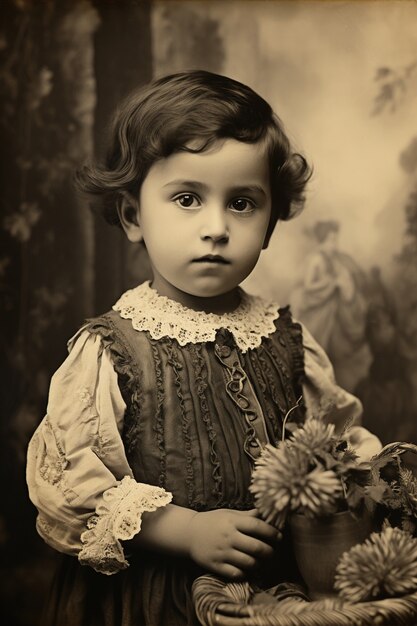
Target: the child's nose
(215, 226)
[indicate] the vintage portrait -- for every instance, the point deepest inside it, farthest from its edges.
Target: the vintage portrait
(208, 279)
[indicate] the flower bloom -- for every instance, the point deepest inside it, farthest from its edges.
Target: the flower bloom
(385, 565)
(314, 437)
(283, 481)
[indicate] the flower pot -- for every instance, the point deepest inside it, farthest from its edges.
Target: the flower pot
(320, 542)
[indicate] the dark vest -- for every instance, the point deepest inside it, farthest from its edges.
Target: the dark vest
(198, 415)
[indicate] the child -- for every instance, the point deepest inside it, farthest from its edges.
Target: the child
(163, 404)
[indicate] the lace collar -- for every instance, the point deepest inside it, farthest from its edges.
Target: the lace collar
(162, 317)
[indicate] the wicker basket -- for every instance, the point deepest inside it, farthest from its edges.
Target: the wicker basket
(219, 603)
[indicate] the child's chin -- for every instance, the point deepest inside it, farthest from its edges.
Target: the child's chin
(207, 292)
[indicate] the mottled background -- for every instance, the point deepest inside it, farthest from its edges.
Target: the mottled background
(341, 75)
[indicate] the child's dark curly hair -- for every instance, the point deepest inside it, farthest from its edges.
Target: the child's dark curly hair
(196, 107)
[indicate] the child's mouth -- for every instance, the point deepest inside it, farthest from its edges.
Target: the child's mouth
(212, 258)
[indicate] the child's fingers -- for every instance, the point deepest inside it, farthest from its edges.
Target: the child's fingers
(239, 559)
(227, 570)
(251, 512)
(256, 527)
(252, 547)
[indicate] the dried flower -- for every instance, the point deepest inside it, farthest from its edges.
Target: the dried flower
(316, 473)
(409, 484)
(283, 481)
(399, 500)
(385, 565)
(314, 438)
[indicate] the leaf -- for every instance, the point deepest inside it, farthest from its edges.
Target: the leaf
(370, 505)
(387, 462)
(379, 462)
(328, 461)
(408, 525)
(394, 499)
(355, 495)
(357, 474)
(349, 456)
(377, 492)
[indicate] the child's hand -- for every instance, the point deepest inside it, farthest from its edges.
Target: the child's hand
(229, 542)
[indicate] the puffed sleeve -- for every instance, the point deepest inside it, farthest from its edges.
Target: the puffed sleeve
(77, 471)
(324, 399)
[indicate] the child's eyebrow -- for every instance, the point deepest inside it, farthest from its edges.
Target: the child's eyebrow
(199, 185)
(186, 183)
(249, 189)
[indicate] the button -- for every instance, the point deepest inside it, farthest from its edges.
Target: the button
(243, 403)
(235, 386)
(225, 351)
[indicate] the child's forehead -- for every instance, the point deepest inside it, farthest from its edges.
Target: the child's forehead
(225, 162)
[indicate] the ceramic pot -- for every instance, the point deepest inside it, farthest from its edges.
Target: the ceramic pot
(320, 542)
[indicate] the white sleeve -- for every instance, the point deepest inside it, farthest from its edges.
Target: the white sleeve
(325, 400)
(77, 471)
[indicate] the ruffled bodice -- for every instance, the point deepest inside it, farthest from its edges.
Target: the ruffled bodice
(196, 413)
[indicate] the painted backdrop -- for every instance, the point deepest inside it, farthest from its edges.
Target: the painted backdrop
(343, 78)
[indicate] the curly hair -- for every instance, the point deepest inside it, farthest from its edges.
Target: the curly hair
(192, 107)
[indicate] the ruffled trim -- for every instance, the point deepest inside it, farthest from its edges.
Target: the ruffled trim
(253, 319)
(118, 518)
(295, 335)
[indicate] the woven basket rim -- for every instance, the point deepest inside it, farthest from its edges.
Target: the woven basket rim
(226, 604)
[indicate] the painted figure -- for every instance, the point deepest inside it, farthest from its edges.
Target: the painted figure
(332, 303)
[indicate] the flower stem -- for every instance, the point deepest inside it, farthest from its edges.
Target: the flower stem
(296, 406)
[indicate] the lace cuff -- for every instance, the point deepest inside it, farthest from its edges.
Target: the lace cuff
(118, 518)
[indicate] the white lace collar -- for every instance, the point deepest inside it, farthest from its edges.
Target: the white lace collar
(162, 317)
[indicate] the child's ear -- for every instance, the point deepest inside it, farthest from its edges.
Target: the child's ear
(128, 210)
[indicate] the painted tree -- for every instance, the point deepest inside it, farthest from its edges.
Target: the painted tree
(63, 65)
(396, 86)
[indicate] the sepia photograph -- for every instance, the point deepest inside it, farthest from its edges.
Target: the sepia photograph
(208, 285)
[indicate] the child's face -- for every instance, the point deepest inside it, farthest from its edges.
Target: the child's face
(204, 217)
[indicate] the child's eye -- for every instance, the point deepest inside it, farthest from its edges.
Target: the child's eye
(242, 205)
(187, 201)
